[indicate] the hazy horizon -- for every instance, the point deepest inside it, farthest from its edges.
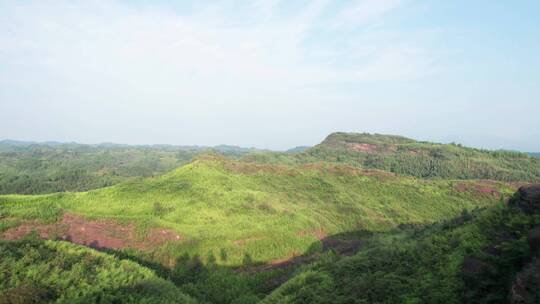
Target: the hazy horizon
(270, 74)
(448, 141)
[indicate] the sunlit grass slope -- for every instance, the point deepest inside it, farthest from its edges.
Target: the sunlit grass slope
(473, 258)
(266, 211)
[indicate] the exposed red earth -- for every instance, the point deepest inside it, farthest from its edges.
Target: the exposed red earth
(98, 234)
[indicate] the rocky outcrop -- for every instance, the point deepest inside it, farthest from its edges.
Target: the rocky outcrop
(525, 288)
(528, 198)
(530, 193)
(485, 275)
(471, 267)
(534, 240)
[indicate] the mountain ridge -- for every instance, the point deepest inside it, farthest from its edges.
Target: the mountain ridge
(406, 156)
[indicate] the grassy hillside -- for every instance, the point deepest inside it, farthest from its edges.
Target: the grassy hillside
(409, 157)
(32, 168)
(58, 272)
(227, 231)
(474, 257)
(489, 256)
(249, 211)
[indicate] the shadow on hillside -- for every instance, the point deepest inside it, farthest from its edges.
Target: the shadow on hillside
(342, 244)
(217, 283)
(214, 283)
(210, 282)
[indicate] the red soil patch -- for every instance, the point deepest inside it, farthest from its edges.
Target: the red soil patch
(25, 229)
(414, 152)
(97, 234)
(370, 148)
(160, 235)
(481, 188)
(367, 148)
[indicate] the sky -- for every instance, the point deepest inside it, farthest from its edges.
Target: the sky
(270, 74)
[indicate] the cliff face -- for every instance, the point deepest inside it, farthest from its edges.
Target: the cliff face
(507, 269)
(528, 198)
(526, 287)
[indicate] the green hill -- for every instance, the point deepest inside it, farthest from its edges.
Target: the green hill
(266, 211)
(488, 256)
(409, 157)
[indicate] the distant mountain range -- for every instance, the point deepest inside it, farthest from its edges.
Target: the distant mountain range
(221, 148)
(32, 167)
(298, 149)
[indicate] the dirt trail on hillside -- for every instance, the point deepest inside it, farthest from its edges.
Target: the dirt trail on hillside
(98, 234)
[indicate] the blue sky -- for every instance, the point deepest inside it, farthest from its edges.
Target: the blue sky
(271, 74)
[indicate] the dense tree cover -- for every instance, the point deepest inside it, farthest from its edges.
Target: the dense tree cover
(34, 271)
(29, 168)
(206, 280)
(37, 271)
(406, 156)
(473, 258)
